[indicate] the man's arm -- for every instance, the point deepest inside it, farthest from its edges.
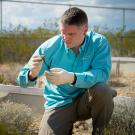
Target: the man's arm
(100, 70)
(31, 71)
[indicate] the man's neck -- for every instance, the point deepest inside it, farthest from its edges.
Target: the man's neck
(76, 49)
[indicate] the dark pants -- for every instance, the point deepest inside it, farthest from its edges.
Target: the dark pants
(96, 103)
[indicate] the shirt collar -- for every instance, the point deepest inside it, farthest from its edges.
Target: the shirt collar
(66, 48)
(82, 47)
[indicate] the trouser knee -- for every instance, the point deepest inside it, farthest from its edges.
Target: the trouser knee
(102, 92)
(102, 104)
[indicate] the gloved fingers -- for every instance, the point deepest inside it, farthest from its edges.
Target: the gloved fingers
(37, 63)
(54, 83)
(52, 73)
(37, 59)
(34, 65)
(47, 73)
(53, 80)
(42, 56)
(56, 69)
(51, 77)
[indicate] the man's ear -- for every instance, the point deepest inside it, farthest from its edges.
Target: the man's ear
(85, 28)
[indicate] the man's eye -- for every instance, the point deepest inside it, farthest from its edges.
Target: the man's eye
(71, 34)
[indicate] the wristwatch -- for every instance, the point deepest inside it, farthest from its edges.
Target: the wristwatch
(75, 79)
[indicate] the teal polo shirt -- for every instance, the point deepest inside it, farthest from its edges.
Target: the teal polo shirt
(92, 65)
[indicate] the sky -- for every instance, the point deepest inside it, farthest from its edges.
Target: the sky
(35, 15)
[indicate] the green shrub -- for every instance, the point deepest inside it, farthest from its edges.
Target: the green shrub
(14, 118)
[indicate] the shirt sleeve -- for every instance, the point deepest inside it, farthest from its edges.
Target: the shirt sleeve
(100, 67)
(23, 79)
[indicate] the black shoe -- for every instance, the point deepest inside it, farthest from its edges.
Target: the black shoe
(98, 131)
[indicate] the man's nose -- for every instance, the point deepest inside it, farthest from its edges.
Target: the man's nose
(65, 37)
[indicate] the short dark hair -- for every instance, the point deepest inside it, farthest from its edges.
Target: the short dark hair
(74, 16)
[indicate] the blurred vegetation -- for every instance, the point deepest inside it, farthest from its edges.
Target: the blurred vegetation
(19, 43)
(122, 45)
(9, 72)
(3, 79)
(15, 118)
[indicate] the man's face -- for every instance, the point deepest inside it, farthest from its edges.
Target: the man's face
(73, 35)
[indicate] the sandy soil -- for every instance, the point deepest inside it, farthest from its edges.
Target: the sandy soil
(124, 85)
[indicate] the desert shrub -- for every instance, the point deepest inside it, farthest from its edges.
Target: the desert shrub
(9, 72)
(122, 121)
(3, 80)
(123, 118)
(5, 131)
(115, 80)
(115, 75)
(15, 118)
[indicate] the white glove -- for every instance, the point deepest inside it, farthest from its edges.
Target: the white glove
(35, 65)
(59, 76)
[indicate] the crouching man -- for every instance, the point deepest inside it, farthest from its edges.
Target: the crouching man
(77, 65)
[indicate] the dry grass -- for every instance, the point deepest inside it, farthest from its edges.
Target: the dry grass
(9, 72)
(124, 84)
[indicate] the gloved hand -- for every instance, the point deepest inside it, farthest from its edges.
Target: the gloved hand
(59, 76)
(35, 65)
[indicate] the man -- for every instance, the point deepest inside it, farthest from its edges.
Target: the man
(77, 65)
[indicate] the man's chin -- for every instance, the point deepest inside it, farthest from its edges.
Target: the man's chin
(70, 46)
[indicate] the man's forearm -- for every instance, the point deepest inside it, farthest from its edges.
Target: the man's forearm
(71, 77)
(23, 79)
(90, 78)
